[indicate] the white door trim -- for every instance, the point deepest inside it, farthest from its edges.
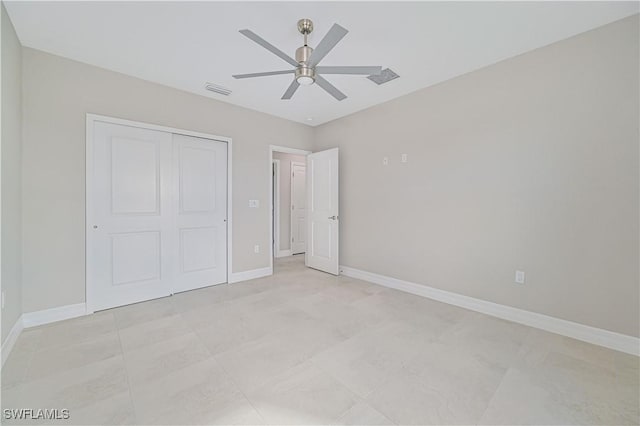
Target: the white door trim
(293, 163)
(93, 118)
(286, 150)
(275, 220)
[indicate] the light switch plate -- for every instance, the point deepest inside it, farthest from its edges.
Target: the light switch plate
(403, 158)
(385, 161)
(520, 277)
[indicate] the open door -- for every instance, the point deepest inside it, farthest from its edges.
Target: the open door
(322, 211)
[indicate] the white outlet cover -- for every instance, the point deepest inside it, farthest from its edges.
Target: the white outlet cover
(403, 158)
(256, 248)
(520, 277)
(254, 204)
(385, 161)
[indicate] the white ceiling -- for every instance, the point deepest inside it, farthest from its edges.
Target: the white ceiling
(185, 44)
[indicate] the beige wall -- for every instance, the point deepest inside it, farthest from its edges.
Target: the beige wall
(530, 164)
(285, 195)
(11, 173)
(58, 93)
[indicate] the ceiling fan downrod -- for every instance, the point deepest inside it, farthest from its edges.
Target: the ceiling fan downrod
(304, 75)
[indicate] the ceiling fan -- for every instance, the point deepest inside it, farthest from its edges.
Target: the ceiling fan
(306, 69)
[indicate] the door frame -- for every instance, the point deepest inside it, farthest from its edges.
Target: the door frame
(286, 150)
(291, 200)
(91, 119)
(275, 207)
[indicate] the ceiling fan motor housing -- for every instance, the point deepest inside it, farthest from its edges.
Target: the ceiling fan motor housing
(302, 54)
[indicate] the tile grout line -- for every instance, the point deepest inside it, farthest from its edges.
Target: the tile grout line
(230, 376)
(358, 398)
(224, 370)
(226, 373)
(511, 366)
(126, 372)
(493, 396)
(30, 361)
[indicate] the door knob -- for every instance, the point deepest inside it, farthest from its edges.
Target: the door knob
(333, 217)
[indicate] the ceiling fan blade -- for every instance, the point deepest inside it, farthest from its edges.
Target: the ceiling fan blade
(270, 47)
(291, 89)
(330, 88)
(349, 70)
(329, 41)
(263, 74)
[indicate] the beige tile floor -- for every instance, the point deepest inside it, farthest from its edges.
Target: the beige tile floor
(303, 347)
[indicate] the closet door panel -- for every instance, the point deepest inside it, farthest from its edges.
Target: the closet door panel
(200, 211)
(132, 224)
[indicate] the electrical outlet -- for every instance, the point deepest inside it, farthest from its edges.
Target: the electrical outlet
(520, 277)
(254, 204)
(404, 158)
(385, 161)
(256, 248)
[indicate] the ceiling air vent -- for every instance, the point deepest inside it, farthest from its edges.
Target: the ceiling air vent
(217, 89)
(385, 76)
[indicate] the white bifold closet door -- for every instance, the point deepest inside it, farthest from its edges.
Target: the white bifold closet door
(158, 204)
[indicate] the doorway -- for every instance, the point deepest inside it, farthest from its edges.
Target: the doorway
(317, 221)
(288, 201)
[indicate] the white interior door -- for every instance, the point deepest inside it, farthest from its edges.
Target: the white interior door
(200, 212)
(322, 211)
(298, 207)
(131, 211)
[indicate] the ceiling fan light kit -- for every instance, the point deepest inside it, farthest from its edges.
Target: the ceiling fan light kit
(305, 76)
(307, 71)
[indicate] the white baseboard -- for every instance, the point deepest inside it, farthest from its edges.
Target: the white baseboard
(596, 336)
(283, 253)
(8, 343)
(46, 316)
(250, 275)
